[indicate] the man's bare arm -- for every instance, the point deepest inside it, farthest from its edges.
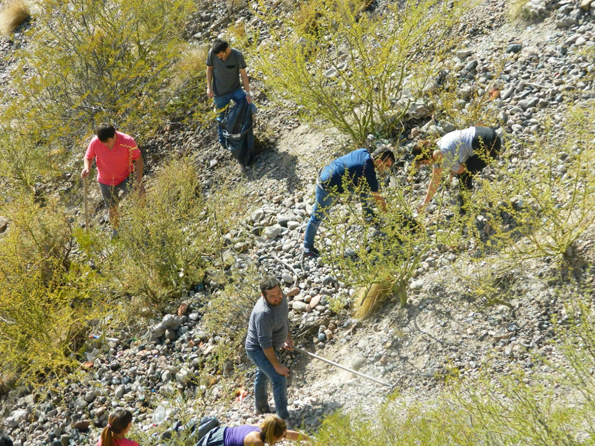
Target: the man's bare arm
(246, 85)
(86, 167)
(210, 92)
(432, 187)
(380, 201)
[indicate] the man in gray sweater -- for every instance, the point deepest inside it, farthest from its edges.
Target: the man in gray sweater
(269, 330)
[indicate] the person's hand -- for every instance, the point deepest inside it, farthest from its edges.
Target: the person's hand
(139, 187)
(85, 173)
(288, 344)
(249, 98)
(282, 370)
(210, 92)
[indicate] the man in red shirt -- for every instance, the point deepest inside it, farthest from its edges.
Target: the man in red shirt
(116, 155)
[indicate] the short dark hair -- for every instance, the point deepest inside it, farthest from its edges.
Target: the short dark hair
(5, 440)
(383, 154)
(219, 45)
(105, 132)
(422, 151)
(268, 283)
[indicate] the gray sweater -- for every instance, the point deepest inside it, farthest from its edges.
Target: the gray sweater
(268, 326)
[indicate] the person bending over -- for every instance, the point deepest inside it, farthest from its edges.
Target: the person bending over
(357, 167)
(463, 152)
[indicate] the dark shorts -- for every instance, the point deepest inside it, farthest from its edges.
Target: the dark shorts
(486, 147)
(486, 142)
(113, 194)
(214, 437)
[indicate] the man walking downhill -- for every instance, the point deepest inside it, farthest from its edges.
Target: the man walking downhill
(269, 330)
(225, 66)
(352, 171)
(117, 156)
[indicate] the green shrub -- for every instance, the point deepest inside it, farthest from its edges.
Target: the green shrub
(89, 62)
(466, 107)
(517, 12)
(46, 296)
(378, 257)
(228, 310)
(541, 207)
(524, 408)
(167, 239)
(188, 86)
(351, 68)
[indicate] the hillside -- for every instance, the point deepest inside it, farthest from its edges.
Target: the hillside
(492, 299)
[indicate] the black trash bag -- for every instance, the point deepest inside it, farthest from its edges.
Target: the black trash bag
(238, 132)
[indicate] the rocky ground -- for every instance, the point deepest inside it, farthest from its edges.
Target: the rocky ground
(538, 69)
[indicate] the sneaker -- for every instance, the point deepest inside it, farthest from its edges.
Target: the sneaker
(311, 252)
(263, 410)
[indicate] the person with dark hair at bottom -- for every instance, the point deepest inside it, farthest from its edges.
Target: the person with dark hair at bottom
(351, 170)
(269, 330)
(272, 430)
(118, 425)
(5, 440)
(117, 156)
(225, 67)
(463, 152)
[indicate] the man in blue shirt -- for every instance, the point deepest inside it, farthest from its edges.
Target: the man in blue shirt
(355, 172)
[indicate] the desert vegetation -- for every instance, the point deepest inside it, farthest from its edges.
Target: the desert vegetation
(354, 69)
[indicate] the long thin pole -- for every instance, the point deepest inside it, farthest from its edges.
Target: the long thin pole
(86, 204)
(342, 367)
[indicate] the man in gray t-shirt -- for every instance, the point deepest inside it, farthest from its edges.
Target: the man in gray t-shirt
(269, 330)
(225, 67)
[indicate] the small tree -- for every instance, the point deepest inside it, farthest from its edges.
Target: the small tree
(378, 256)
(165, 240)
(46, 296)
(357, 70)
(548, 199)
(87, 62)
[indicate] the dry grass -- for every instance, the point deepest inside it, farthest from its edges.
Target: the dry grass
(369, 298)
(193, 59)
(191, 65)
(517, 12)
(13, 14)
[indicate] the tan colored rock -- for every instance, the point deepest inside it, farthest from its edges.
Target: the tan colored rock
(183, 309)
(293, 292)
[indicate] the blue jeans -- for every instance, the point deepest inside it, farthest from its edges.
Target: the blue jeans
(324, 200)
(222, 101)
(265, 372)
